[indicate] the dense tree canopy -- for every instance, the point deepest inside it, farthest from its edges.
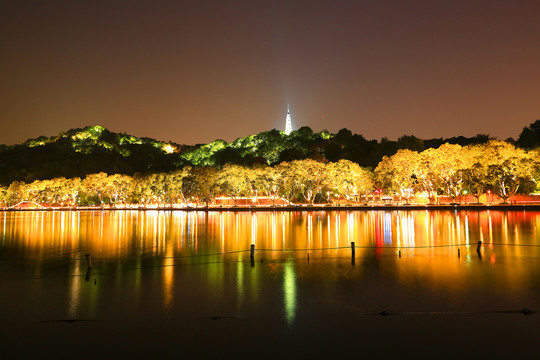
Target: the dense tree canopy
(300, 180)
(94, 149)
(302, 166)
(530, 136)
(452, 170)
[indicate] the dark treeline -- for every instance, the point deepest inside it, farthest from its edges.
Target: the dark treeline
(79, 152)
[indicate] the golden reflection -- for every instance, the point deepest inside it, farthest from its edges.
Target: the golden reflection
(329, 225)
(337, 226)
(187, 237)
(490, 228)
(236, 229)
(466, 229)
(4, 229)
(318, 229)
(240, 283)
(458, 226)
(310, 230)
(274, 229)
(350, 228)
(253, 228)
(283, 230)
(168, 277)
(222, 231)
(289, 291)
(505, 228)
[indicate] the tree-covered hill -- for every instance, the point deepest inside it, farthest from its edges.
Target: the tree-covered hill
(78, 152)
(93, 149)
(272, 147)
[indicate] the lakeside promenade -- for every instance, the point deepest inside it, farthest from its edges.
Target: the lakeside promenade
(517, 206)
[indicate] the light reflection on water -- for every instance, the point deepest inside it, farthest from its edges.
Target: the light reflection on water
(122, 234)
(208, 253)
(289, 289)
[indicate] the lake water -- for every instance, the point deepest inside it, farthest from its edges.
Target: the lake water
(174, 283)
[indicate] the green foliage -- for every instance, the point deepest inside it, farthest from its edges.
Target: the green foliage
(201, 155)
(304, 164)
(79, 152)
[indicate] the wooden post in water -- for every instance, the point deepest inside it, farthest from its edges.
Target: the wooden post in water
(308, 258)
(399, 252)
(479, 247)
(88, 261)
(458, 253)
(353, 253)
(252, 255)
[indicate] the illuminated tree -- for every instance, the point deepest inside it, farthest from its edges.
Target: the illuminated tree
(287, 181)
(509, 168)
(37, 191)
(425, 178)
(160, 187)
(118, 187)
(141, 189)
(3, 194)
(55, 191)
(536, 169)
(173, 184)
(16, 193)
(270, 145)
(310, 177)
(234, 180)
(265, 180)
(349, 179)
(95, 185)
(448, 163)
(156, 184)
(72, 188)
(200, 184)
(202, 154)
(476, 175)
(398, 173)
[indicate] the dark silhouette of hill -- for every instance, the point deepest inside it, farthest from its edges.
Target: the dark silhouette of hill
(530, 136)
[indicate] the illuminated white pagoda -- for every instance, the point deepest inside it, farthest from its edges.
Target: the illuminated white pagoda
(288, 123)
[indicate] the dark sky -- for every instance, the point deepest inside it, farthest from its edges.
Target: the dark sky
(194, 71)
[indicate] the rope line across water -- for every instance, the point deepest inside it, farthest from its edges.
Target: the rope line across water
(59, 258)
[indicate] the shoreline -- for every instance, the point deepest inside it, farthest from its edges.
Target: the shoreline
(301, 208)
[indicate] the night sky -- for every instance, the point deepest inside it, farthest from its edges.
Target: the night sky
(195, 71)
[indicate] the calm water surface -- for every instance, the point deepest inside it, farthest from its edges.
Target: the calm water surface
(159, 278)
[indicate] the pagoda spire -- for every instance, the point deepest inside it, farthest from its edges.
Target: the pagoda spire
(288, 122)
